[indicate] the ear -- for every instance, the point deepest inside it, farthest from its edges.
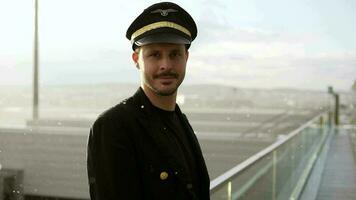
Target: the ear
(187, 55)
(135, 59)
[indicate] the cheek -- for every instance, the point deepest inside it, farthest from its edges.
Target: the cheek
(182, 66)
(147, 71)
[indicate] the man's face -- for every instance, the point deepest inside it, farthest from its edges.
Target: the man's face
(162, 67)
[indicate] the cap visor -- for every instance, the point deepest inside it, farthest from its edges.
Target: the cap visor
(162, 38)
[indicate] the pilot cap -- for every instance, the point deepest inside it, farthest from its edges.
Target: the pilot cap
(163, 22)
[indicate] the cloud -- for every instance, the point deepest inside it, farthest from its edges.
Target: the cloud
(252, 57)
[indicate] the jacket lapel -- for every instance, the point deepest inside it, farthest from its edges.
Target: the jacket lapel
(154, 128)
(195, 147)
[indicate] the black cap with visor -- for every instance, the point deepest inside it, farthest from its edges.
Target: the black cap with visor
(164, 22)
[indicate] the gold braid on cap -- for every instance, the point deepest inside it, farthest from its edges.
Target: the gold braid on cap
(162, 24)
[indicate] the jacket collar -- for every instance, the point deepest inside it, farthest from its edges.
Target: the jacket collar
(142, 101)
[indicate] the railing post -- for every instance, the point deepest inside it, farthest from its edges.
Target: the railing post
(336, 109)
(294, 156)
(330, 106)
(1, 188)
(229, 197)
(274, 174)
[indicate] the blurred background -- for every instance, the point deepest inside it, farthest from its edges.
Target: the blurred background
(257, 70)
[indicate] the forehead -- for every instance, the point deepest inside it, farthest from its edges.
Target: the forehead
(162, 47)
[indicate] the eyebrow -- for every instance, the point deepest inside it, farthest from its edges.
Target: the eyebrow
(175, 51)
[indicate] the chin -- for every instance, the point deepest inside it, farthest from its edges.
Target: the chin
(166, 92)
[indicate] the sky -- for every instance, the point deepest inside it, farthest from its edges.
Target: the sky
(304, 44)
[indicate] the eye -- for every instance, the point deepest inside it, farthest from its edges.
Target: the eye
(154, 54)
(175, 54)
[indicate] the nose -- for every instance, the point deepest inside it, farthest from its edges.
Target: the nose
(165, 64)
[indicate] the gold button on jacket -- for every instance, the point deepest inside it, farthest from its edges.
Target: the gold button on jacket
(163, 175)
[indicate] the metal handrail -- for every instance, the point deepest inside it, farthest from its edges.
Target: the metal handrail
(218, 182)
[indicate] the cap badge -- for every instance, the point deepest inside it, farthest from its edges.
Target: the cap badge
(164, 12)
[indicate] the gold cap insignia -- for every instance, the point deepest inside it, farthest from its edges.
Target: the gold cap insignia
(164, 12)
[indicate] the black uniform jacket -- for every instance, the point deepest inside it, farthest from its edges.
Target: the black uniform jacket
(129, 156)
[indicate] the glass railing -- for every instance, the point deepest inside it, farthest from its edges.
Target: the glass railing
(277, 172)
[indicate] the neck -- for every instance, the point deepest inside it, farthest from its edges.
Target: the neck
(163, 102)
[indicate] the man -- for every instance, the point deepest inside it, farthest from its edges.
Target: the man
(144, 147)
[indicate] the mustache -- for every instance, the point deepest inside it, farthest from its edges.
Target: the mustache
(174, 75)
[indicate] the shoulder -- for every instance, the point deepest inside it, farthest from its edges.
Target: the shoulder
(113, 128)
(121, 110)
(118, 115)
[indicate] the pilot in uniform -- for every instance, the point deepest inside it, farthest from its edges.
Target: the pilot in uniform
(144, 147)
